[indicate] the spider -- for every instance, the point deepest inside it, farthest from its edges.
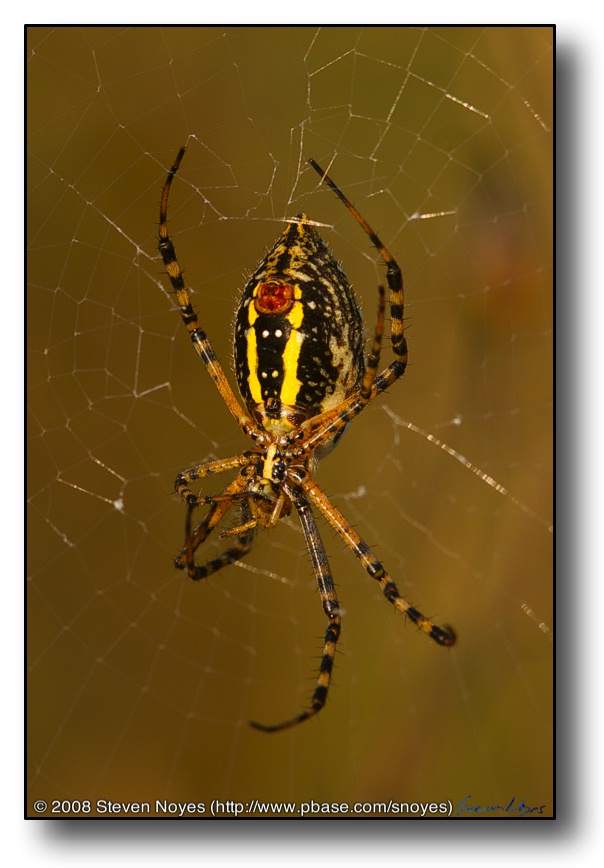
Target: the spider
(302, 373)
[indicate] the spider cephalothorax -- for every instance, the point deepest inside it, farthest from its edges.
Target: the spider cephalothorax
(303, 375)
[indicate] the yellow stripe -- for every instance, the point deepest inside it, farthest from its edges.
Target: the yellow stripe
(252, 357)
(291, 354)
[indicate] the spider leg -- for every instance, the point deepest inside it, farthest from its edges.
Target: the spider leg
(393, 276)
(193, 474)
(331, 607)
(373, 359)
(219, 508)
(199, 338)
(267, 519)
(441, 635)
(226, 558)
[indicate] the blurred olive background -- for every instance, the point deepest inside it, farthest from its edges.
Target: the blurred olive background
(141, 683)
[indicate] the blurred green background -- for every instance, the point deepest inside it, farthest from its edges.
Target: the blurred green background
(140, 682)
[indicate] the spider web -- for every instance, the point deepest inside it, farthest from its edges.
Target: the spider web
(141, 683)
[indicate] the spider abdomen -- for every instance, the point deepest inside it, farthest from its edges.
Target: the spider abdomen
(299, 336)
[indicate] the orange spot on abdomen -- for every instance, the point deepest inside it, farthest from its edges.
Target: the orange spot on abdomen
(274, 297)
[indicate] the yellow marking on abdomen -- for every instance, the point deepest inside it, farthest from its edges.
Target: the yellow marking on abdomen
(252, 358)
(291, 354)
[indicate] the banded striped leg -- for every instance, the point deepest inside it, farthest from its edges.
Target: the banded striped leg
(199, 338)
(219, 508)
(373, 359)
(442, 635)
(331, 607)
(200, 471)
(395, 283)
